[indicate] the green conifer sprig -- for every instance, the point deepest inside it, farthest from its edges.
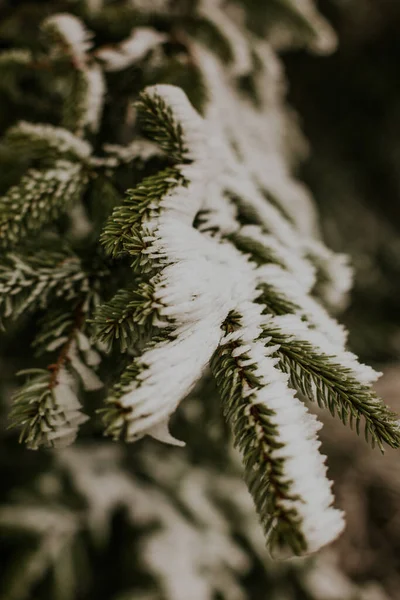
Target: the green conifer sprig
(140, 203)
(69, 46)
(76, 106)
(127, 317)
(46, 409)
(114, 413)
(33, 280)
(38, 199)
(45, 143)
(260, 253)
(320, 378)
(158, 123)
(203, 275)
(263, 473)
(276, 303)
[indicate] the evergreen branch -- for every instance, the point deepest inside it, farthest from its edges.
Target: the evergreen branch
(127, 317)
(46, 409)
(38, 199)
(235, 40)
(67, 38)
(72, 325)
(265, 483)
(66, 332)
(141, 203)
(276, 303)
(284, 293)
(45, 142)
(331, 383)
(139, 149)
(158, 122)
(70, 42)
(84, 102)
(307, 25)
(156, 381)
(137, 245)
(31, 281)
(115, 415)
(285, 281)
(264, 249)
(131, 50)
(269, 427)
(334, 274)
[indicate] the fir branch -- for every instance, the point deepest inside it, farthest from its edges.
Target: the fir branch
(158, 122)
(38, 199)
(70, 42)
(140, 150)
(84, 101)
(127, 317)
(264, 249)
(264, 482)
(137, 244)
(270, 427)
(72, 326)
(332, 384)
(284, 290)
(32, 281)
(235, 39)
(141, 203)
(45, 143)
(276, 303)
(334, 274)
(46, 409)
(152, 386)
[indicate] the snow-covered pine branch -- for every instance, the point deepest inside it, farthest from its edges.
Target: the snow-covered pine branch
(47, 409)
(69, 41)
(45, 142)
(335, 381)
(257, 176)
(276, 435)
(215, 255)
(32, 280)
(40, 197)
(127, 317)
(200, 278)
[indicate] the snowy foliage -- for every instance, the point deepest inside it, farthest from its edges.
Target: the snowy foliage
(212, 259)
(202, 284)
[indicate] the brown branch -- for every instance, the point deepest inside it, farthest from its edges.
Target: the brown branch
(63, 357)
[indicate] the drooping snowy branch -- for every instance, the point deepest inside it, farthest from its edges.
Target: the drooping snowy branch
(254, 281)
(276, 435)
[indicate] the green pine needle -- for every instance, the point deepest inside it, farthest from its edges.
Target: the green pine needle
(319, 378)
